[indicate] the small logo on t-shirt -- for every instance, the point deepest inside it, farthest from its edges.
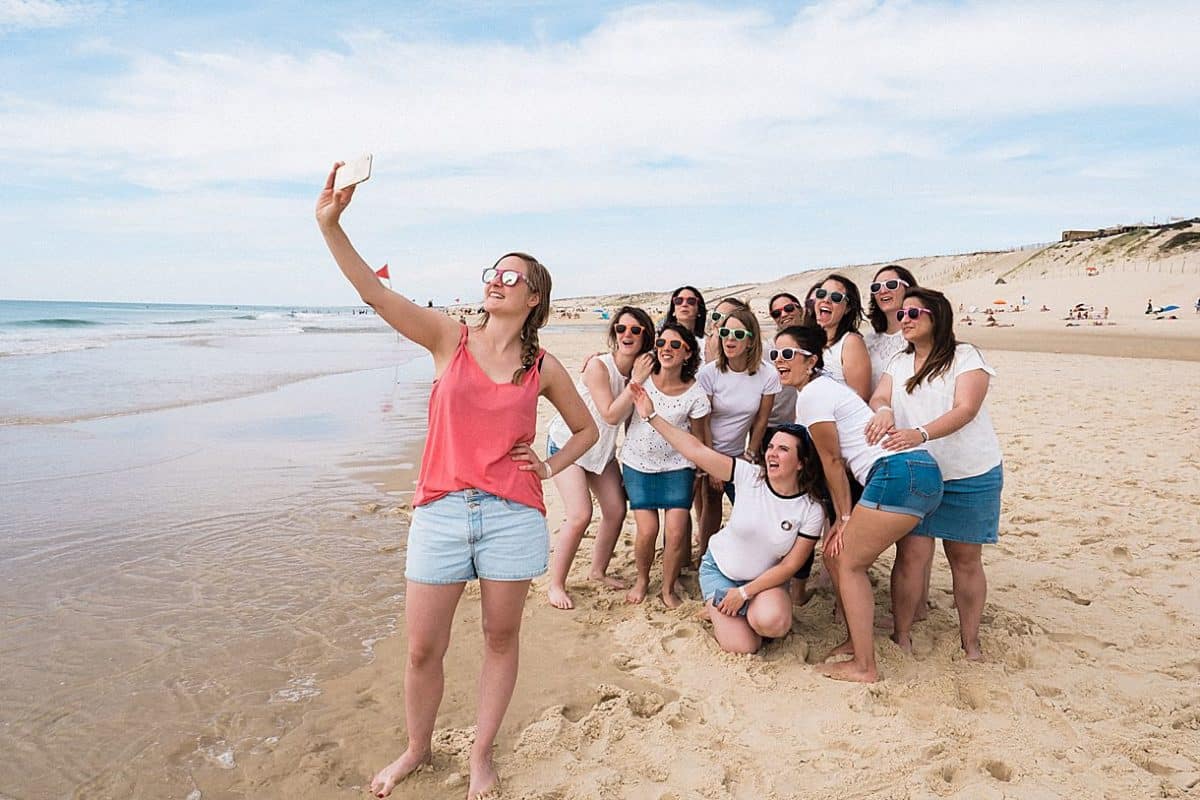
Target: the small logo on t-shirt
(786, 525)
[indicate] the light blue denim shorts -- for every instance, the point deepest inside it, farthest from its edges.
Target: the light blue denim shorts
(714, 584)
(472, 534)
(904, 483)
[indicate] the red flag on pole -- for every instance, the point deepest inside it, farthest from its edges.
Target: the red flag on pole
(383, 272)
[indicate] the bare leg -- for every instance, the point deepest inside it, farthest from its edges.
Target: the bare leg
(572, 486)
(912, 553)
(676, 523)
(846, 648)
(710, 520)
(698, 508)
(734, 634)
(644, 547)
(868, 533)
(428, 617)
(771, 613)
(503, 602)
(970, 592)
(611, 496)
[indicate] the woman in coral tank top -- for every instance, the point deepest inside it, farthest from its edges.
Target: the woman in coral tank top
(478, 510)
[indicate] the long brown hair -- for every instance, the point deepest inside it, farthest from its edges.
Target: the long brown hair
(941, 356)
(643, 319)
(537, 278)
(755, 351)
(879, 320)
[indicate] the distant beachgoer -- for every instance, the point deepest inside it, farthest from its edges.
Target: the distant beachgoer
(741, 388)
(772, 531)
(937, 389)
(1198, 305)
(885, 340)
(478, 508)
(902, 483)
(1149, 306)
(657, 478)
(1044, 307)
(838, 313)
(596, 474)
(1105, 313)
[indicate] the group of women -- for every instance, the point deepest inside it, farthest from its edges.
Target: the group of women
(820, 436)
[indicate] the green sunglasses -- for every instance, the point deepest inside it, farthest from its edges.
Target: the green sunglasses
(737, 333)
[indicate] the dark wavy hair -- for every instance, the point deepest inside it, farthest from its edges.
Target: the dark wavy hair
(879, 320)
(642, 318)
(854, 308)
(811, 475)
(941, 356)
(810, 339)
(809, 317)
(701, 312)
(693, 360)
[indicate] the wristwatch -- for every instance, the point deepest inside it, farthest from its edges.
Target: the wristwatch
(924, 434)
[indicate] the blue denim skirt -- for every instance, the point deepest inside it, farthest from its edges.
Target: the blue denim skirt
(969, 511)
(904, 483)
(658, 490)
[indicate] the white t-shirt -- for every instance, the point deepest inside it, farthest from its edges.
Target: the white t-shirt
(881, 347)
(763, 525)
(644, 448)
(971, 450)
(736, 397)
(825, 400)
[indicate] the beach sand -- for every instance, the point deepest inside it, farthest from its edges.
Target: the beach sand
(1088, 690)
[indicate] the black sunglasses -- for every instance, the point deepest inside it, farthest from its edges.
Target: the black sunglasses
(634, 329)
(691, 301)
(715, 316)
(786, 353)
(834, 297)
(674, 344)
(779, 312)
(893, 284)
(911, 313)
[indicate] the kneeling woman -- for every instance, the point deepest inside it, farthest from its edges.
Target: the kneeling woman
(899, 489)
(772, 530)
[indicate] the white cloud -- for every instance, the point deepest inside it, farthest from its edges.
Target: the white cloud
(35, 14)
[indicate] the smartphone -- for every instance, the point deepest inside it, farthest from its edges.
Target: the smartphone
(352, 173)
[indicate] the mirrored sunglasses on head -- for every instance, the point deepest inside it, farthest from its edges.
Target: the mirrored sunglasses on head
(508, 277)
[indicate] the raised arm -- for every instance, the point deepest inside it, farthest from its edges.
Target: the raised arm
(686, 444)
(431, 329)
(615, 410)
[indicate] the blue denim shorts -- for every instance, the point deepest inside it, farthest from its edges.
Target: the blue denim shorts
(904, 483)
(472, 534)
(714, 584)
(969, 511)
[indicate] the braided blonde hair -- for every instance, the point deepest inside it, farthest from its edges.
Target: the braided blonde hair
(537, 278)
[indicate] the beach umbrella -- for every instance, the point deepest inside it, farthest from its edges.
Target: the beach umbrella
(1168, 308)
(1001, 302)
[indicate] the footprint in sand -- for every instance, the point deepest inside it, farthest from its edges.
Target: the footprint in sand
(998, 770)
(674, 642)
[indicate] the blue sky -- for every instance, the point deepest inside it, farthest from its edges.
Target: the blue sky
(172, 152)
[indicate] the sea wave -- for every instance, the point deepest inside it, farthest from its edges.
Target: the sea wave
(53, 322)
(45, 347)
(187, 322)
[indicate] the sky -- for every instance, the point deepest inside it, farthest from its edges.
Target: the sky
(172, 152)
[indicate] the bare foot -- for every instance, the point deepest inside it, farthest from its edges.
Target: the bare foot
(609, 582)
(848, 671)
(671, 599)
(973, 651)
(484, 779)
(638, 593)
(559, 598)
(846, 648)
(397, 771)
(904, 642)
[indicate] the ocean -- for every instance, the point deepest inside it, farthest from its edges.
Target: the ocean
(198, 525)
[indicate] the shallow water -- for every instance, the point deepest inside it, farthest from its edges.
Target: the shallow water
(174, 583)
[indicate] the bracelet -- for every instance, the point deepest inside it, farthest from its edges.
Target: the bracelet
(883, 408)
(742, 592)
(924, 434)
(653, 414)
(549, 470)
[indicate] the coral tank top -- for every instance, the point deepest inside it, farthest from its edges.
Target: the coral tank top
(473, 424)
